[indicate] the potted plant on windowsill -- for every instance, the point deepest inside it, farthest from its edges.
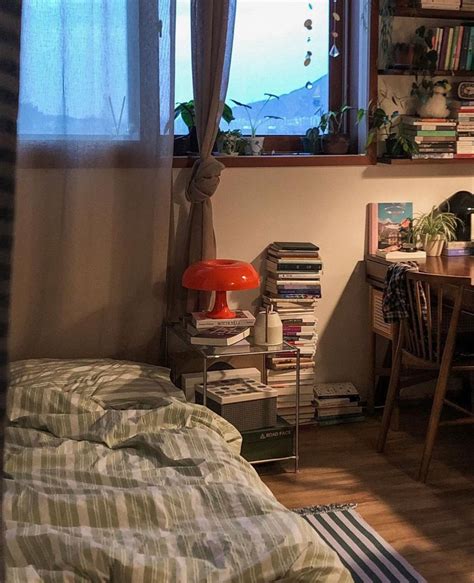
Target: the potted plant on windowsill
(334, 140)
(434, 229)
(189, 143)
(254, 142)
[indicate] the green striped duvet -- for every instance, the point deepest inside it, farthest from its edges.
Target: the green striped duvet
(111, 476)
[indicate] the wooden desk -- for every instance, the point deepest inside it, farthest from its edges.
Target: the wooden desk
(376, 270)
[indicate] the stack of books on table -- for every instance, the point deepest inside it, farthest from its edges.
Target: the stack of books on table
(467, 5)
(293, 287)
(458, 248)
(207, 331)
(465, 129)
(337, 403)
(435, 138)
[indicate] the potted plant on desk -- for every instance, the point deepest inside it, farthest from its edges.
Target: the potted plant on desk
(434, 229)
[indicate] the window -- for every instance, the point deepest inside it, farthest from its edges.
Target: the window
(78, 65)
(270, 47)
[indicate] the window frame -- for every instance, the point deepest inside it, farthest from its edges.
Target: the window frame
(343, 88)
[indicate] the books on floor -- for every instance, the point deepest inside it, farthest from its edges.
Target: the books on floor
(293, 288)
(434, 138)
(337, 403)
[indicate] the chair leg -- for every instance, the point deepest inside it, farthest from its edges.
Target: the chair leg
(436, 409)
(392, 394)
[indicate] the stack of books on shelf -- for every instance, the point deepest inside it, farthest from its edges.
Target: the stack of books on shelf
(435, 138)
(454, 45)
(465, 130)
(293, 287)
(440, 4)
(207, 331)
(337, 403)
(458, 248)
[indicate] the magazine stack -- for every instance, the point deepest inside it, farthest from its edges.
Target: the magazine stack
(293, 288)
(337, 403)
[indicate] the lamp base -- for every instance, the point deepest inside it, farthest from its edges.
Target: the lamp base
(221, 310)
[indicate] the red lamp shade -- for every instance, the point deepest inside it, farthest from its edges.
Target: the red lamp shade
(220, 275)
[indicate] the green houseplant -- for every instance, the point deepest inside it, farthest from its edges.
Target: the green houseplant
(434, 229)
(186, 110)
(255, 143)
(230, 142)
(397, 145)
(334, 139)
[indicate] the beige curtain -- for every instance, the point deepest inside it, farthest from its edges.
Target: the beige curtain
(212, 31)
(94, 187)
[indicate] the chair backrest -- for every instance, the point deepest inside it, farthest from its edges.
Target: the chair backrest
(430, 326)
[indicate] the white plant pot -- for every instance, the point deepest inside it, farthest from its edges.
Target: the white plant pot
(254, 146)
(433, 246)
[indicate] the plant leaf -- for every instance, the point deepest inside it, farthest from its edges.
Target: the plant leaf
(241, 104)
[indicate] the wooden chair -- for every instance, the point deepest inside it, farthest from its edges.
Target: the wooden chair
(427, 341)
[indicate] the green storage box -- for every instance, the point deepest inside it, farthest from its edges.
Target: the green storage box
(269, 443)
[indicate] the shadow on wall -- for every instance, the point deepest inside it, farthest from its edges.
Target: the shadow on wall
(339, 346)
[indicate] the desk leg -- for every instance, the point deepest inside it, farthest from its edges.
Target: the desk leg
(372, 376)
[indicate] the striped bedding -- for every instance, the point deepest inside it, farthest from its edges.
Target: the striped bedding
(112, 476)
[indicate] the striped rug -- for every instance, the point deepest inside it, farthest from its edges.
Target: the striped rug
(369, 558)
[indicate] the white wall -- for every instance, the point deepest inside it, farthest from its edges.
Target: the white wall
(254, 207)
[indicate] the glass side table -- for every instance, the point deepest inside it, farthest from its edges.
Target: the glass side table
(211, 354)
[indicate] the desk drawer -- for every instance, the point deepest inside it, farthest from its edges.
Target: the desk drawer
(377, 322)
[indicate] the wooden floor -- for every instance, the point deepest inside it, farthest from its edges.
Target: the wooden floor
(431, 525)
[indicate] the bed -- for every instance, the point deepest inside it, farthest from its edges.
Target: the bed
(111, 476)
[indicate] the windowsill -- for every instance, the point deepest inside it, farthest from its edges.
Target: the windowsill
(284, 159)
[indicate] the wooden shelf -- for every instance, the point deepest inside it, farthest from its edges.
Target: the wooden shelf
(435, 73)
(409, 161)
(440, 14)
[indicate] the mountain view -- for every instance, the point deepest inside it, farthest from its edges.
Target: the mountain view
(298, 109)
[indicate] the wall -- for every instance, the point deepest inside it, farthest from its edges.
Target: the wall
(103, 303)
(254, 207)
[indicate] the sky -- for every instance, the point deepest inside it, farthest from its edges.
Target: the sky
(270, 44)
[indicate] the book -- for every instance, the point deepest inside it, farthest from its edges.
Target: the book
(386, 221)
(242, 346)
(332, 390)
(219, 336)
(331, 412)
(294, 246)
(402, 255)
(242, 318)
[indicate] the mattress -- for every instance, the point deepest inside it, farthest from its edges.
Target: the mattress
(111, 476)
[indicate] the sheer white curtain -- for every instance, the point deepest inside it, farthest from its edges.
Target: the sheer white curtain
(94, 185)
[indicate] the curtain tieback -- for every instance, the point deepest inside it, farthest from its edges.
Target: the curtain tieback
(204, 180)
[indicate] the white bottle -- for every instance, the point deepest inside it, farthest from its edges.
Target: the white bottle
(268, 328)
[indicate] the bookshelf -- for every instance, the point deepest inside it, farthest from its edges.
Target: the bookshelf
(435, 73)
(438, 14)
(405, 17)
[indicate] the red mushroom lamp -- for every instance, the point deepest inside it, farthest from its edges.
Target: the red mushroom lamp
(221, 276)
